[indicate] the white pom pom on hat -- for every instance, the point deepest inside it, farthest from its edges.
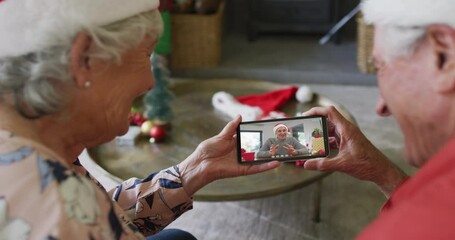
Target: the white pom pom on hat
(304, 94)
(26, 25)
(409, 13)
(280, 125)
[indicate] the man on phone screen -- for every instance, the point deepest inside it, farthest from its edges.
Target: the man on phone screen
(282, 145)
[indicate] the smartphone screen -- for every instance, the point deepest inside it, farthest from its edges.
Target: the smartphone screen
(285, 139)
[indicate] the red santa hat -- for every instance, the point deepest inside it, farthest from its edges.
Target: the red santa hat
(260, 106)
(271, 102)
(26, 25)
(280, 125)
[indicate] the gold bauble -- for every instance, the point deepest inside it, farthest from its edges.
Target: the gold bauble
(146, 127)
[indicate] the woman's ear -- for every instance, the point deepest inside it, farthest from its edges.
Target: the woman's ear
(442, 40)
(79, 60)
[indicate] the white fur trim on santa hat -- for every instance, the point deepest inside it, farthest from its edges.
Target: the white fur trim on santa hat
(26, 24)
(409, 13)
(279, 125)
(226, 103)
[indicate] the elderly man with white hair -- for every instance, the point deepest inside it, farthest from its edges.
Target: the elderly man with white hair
(414, 51)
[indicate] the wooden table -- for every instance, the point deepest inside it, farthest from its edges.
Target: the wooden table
(196, 120)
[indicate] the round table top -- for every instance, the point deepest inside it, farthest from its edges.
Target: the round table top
(196, 120)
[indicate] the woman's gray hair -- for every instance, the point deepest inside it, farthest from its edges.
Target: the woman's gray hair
(401, 41)
(32, 78)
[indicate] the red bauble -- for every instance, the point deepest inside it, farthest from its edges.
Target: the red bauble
(136, 118)
(158, 133)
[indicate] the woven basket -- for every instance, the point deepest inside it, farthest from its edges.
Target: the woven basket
(196, 40)
(365, 36)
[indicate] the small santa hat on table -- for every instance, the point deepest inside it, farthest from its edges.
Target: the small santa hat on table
(270, 101)
(260, 106)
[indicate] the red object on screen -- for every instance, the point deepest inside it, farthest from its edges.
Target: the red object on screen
(248, 156)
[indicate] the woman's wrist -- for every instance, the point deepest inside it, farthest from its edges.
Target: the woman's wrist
(193, 176)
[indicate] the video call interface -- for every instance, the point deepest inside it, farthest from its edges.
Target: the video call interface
(299, 139)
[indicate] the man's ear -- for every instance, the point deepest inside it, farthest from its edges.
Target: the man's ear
(442, 40)
(79, 60)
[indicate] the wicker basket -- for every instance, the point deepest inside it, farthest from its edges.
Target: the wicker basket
(196, 40)
(365, 36)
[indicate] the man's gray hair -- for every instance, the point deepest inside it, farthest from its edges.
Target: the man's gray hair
(33, 79)
(401, 41)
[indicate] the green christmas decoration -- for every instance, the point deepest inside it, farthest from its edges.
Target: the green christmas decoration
(157, 101)
(164, 45)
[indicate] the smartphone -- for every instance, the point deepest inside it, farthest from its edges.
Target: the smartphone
(284, 139)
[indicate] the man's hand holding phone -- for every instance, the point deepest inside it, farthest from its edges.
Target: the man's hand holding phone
(357, 156)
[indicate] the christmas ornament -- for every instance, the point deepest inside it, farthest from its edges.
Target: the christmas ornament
(158, 133)
(146, 127)
(136, 118)
(157, 101)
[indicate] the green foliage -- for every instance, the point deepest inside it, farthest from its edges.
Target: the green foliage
(164, 45)
(158, 100)
(316, 132)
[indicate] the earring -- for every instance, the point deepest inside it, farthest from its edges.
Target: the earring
(87, 84)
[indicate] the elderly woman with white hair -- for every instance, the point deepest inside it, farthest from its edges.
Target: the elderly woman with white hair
(69, 72)
(414, 51)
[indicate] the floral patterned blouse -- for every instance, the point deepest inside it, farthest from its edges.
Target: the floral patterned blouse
(43, 197)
